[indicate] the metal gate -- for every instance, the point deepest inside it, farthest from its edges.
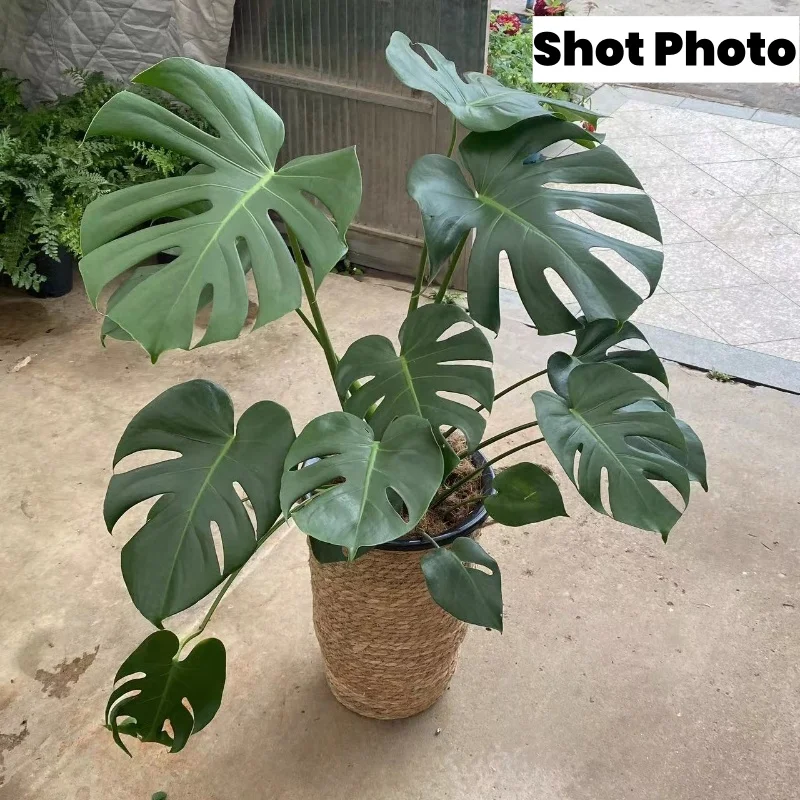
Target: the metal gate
(320, 64)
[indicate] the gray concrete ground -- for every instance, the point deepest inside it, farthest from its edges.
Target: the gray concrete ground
(782, 97)
(627, 668)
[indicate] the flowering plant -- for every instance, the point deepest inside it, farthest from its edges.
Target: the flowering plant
(505, 22)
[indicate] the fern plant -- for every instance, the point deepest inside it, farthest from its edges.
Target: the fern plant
(49, 174)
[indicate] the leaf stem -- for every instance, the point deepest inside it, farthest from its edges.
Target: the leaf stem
(322, 332)
(429, 538)
(519, 383)
(499, 436)
(308, 324)
(451, 269)
(413, 303)
(222, 592)
(467, 478)
(505, 391)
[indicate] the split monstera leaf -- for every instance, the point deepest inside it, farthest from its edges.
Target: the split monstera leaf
(356, 478)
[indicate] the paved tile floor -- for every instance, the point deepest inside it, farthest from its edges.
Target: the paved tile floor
(727, 192)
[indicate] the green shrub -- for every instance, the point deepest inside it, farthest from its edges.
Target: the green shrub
(48, 174)
(511, 60)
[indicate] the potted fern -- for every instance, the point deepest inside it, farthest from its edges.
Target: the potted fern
(49, 174)
(391, 488)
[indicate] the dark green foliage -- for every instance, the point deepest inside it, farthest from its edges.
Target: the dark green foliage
(48, 174)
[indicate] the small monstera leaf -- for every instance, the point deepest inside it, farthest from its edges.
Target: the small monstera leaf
(171, 562)
(513, 208)
(162, 682)
(524, 494)
(358, 512)
(478, 102)
(428, 364)
(605, 413)
(231, 197)
(594, 344)
(469, 594)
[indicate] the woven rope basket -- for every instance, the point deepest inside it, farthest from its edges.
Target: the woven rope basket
(389, 650)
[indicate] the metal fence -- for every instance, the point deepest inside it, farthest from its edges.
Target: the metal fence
(320, 64)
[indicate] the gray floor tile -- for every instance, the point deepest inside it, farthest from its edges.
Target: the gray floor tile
(647, 98)
(664, 311)
(778, 119)
(792, 164)
(709, 148)
(755, 177)
(745, 314)
(616, 128)
(674, 230)
(769, 140)
(788, 349)
(702, 265)
(679, 180)
(723, 217)
(641, 152)
(776, 259)
(785, 207)
(791, 289)
(710, 107)
(663, 121)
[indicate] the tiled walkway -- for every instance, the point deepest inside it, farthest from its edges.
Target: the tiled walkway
(726, 187)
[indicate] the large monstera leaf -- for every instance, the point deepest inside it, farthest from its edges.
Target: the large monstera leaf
(512, 208)
(231, 193)
(171, 562)
(429, 363)
(597, 342)
(477, 101)
(606, 413)
(153, 683)
(358, 512)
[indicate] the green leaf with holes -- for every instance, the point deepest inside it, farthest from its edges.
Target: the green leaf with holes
(430, 362)
(513, 207)
(357, 512)
(468, 593)
(694, 458)
(524, 493)
(162, 683)
(479, 102)
(600, 420)
(234, 195)
(171, 561)
(598, 342)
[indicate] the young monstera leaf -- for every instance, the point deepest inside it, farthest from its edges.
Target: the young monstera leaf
(171, 562)
(477, 101)
(232, 196)
(161, 682)
(512, 208)
(358, 512)
(524, 494)
(605, 411)
(468, 593)
(596, 342)
(429, 363)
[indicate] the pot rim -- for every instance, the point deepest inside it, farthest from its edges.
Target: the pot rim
(465, 528)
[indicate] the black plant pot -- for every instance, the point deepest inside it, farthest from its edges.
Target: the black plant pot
(57, 274)
(465, 528)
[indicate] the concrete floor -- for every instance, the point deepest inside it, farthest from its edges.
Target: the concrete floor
(627, 669)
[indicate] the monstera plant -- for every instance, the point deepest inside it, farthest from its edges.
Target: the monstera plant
(364, 475)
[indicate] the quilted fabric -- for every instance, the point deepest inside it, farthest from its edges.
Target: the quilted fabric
(39, 39)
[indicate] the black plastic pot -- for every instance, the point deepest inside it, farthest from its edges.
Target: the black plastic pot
(57, 273)
(465, 528)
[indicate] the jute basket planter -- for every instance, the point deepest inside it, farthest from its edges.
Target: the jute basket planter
(389, 650)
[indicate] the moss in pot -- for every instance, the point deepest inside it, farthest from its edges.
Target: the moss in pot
(358, 480)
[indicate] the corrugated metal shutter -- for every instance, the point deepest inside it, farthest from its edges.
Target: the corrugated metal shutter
(321, 65)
